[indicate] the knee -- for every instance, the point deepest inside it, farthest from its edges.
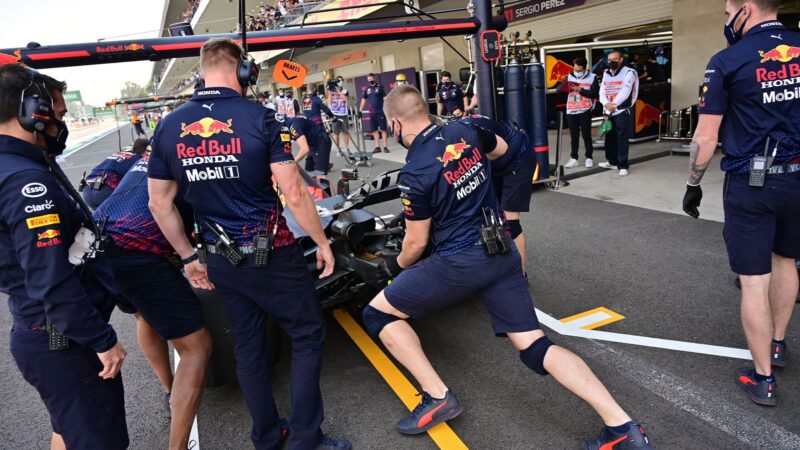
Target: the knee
(533, 356)
(375, 321)
(515, 227)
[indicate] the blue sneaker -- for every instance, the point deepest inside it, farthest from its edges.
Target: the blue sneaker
(633, 439)
(779, 354)
(761, 392)
(332, 443)
(429, 413)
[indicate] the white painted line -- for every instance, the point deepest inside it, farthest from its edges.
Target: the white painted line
(681, 346)
(194, 436)
(588, 320)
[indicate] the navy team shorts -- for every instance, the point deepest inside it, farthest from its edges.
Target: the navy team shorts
(440, 281)
(760, 221)
(156, 289)
(86, 410)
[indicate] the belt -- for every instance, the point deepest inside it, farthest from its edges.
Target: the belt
(242, 250)
(785, 168)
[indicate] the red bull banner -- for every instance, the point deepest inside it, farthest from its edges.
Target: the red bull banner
(555, 70)
(653, 100)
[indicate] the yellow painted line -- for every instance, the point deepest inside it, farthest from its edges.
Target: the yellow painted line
(605, 317)
(442, 434)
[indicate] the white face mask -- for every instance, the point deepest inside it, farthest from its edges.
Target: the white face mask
(580, 74)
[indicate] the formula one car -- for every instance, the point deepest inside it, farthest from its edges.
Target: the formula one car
(360, 240)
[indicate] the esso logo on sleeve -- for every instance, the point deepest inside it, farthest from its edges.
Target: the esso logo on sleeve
(34, 190)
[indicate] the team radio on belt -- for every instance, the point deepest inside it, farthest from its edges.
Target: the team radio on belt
(163, 226)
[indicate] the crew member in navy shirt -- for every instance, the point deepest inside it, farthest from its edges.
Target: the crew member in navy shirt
(105, 177)
(80, 385)
(449, 96)
(511, 174)
(152, 287)
(222, 152)
(313, 107)
(751, 104)
(312, 143)
(372, 99)
(445, 186)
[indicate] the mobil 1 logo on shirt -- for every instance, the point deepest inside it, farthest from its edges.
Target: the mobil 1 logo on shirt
(213, 173)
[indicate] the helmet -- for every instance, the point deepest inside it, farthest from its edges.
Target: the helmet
(400, 77)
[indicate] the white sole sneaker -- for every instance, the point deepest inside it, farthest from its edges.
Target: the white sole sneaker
(607, 165)
(623, 172)
(589, 163)
(571, 163)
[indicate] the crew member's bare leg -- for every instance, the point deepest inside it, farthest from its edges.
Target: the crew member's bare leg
(57, 442)
(782, 294)
(572, 372)
(403, 343)
(187, 389)
(156, 351)
(565, 367)
(757, 320)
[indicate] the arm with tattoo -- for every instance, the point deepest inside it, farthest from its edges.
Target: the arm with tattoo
(696, 169)
(704, 144)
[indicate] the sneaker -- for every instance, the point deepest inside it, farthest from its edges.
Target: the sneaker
(168, 403)
(571, 163)
(589, 163)
(634, 438)
(607, 165)
(377, 150)
(340, 153)
(760, 392)
(386, 150)
(429, 413)
(623, 172)
(332, 443)
(779, 354)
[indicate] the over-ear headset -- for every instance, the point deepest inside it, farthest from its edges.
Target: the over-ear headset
(35, 113)
(247, 71)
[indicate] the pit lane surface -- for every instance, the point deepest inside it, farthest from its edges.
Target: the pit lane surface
(666, 273)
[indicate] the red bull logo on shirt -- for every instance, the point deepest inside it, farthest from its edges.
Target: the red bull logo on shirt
(783, 53)
(453, 152)
(49, 234)
(206, 127)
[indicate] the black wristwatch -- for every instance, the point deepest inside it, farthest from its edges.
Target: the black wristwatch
(190, 259)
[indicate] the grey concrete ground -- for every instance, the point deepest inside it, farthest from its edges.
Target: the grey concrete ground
(665, 272)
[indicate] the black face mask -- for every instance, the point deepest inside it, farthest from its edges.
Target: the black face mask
(56, 145)
(613, 65)
(397, 132)
(372, 83)
(731, 35)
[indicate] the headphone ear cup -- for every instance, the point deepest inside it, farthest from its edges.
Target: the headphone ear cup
(35, 113)
(247, 72)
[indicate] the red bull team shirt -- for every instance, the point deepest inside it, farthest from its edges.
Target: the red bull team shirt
(218, 147)
(114, 167)
(755, 84)
(447, 179)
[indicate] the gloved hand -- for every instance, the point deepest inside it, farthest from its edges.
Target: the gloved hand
(691, 200)
(388, 269)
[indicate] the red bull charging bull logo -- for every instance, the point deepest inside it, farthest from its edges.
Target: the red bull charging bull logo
(453, 152)
(206, 127)
(556, 70)
(782, 53)
(646, 115)
(49, 234)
